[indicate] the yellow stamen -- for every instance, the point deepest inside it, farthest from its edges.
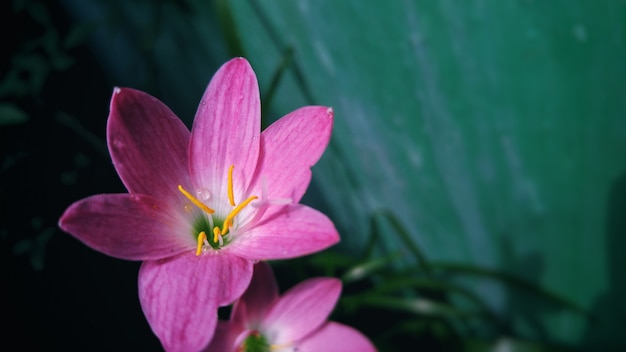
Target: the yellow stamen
(274, 346)
(195, 201)
(231, 195)
(201, 239)
(229, 219)
(228, 222)
(216, 234)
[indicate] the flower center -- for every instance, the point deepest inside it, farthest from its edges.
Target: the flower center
(217, 232)
(254, 342)
(257, 342)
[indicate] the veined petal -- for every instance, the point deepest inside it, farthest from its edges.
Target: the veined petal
(294, 231)
(301, 310)
(148, 144)
(289, 147)
(180, 296)
(226, 130)
(128, 226)
(259, 296)
(225, 336)
(335, 337)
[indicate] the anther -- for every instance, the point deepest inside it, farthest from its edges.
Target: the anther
(231, 195)
(201, 239)
(279, 346)
(195, 201)
(216, 234)
(229, 219)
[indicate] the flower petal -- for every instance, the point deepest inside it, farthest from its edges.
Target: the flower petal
(258, 298)
(148, 144)
(294, 231)
(226, 130)
(224, 338)
(335, 337)
(301, 310)
(180, 296)
(289, 147)
(125, 226)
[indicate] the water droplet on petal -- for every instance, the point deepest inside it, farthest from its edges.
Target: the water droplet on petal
(203, 194)
(188, 208)
(118, 143)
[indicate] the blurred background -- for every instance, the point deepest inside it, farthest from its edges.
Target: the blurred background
(476, 173)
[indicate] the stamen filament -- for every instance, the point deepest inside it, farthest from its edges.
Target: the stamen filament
(195, 201)
(201, 239)
(229, 219)
(231, 195)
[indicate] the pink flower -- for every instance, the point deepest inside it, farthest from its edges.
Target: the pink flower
(202, 207)
(296, 321)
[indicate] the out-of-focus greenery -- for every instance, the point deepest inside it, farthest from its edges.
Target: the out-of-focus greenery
(493, 132)
(476, 171)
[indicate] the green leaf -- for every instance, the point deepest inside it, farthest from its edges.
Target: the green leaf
(418, 305)
(512, 281)
(11, 114)
(492, 131)
(78, 35)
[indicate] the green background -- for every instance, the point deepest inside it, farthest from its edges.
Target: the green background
(494, 130)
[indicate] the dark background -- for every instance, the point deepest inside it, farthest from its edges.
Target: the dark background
(58, 294)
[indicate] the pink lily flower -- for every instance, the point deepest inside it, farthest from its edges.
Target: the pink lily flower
(203, 206)
(261, 320)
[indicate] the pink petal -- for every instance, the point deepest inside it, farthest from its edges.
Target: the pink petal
(224, 338)
(295, 231)
(335, 337)
(226, 129)
(289, 147)
(148, 144)
(180, 296)
(132, 227)
(301, 310)
(258, 298)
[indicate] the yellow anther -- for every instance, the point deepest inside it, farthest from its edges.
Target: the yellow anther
(229, 219)
(216, 234)
(195, 201)
(280, 346)
(231, 195)
(201, 239)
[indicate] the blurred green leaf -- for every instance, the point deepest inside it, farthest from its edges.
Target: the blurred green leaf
(35, 248)
(493, 132)
(510, 345)
(369, 267)
(11, 114)
(418, 305)
(510, 280)
(78, 35)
